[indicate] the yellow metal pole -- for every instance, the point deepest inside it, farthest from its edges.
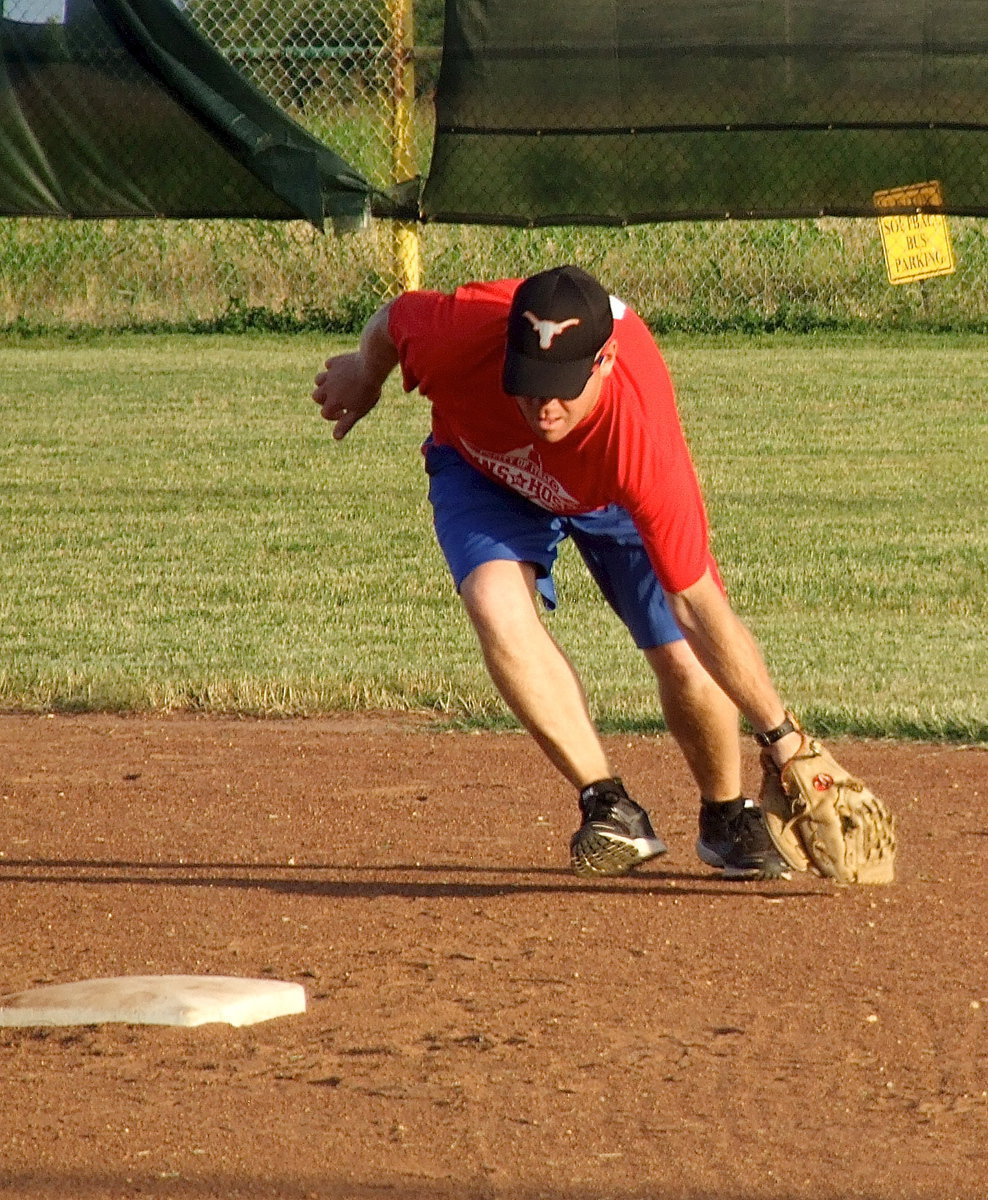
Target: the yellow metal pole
(406, 244)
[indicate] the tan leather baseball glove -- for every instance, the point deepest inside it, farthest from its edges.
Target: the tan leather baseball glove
(823, 819)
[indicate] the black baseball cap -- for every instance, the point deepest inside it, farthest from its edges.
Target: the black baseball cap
(558, 322)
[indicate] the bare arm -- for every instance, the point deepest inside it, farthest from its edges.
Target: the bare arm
(351, 384)
(731, 656)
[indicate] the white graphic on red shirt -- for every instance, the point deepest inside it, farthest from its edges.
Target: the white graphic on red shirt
(522, 471)
(548, 331)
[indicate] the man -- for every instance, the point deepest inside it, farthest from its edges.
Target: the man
(553, 416)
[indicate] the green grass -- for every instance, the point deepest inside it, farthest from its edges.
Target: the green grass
(178, 530)
(697, 277)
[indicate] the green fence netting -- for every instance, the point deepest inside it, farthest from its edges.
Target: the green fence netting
(122, 109)
(594, 111)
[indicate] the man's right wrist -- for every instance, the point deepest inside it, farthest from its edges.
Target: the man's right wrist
(769, 737)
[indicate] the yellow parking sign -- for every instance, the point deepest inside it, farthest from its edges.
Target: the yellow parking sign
(916, 245)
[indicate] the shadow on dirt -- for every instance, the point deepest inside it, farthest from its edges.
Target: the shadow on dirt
(406, 880)
(54, 1185)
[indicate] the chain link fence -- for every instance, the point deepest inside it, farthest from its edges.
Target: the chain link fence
(360, 75)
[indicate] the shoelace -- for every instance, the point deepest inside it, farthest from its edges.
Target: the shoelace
(603, 809)
(612, 810)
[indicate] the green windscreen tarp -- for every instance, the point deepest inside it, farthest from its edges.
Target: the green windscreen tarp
(569, 111)
(123, 110)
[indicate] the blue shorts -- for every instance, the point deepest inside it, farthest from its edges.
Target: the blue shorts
(477, 520)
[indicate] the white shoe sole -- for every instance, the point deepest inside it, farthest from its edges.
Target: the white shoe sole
(595, 852)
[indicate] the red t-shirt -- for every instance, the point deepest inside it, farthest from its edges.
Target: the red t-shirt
(629, 450)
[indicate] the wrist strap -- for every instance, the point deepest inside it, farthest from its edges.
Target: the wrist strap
(771, 736)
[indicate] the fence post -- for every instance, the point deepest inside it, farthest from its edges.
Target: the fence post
(406, 247)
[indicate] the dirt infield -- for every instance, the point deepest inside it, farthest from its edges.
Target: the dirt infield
(481, 1025)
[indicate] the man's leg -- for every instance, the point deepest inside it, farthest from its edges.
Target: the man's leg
(530, 671)
(704, 722)
(700, 717)
(539, 685)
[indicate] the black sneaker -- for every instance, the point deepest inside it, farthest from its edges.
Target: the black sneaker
(616, 834)
(733, 836)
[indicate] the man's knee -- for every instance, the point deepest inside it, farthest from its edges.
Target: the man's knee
(499, 593)
(496, 583)
(685, 686)
(678, 670)
(675, 663)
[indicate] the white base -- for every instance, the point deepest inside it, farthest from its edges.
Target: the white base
(154, 1000)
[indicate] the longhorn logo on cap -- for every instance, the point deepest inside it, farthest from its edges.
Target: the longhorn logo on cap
(548, 331)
